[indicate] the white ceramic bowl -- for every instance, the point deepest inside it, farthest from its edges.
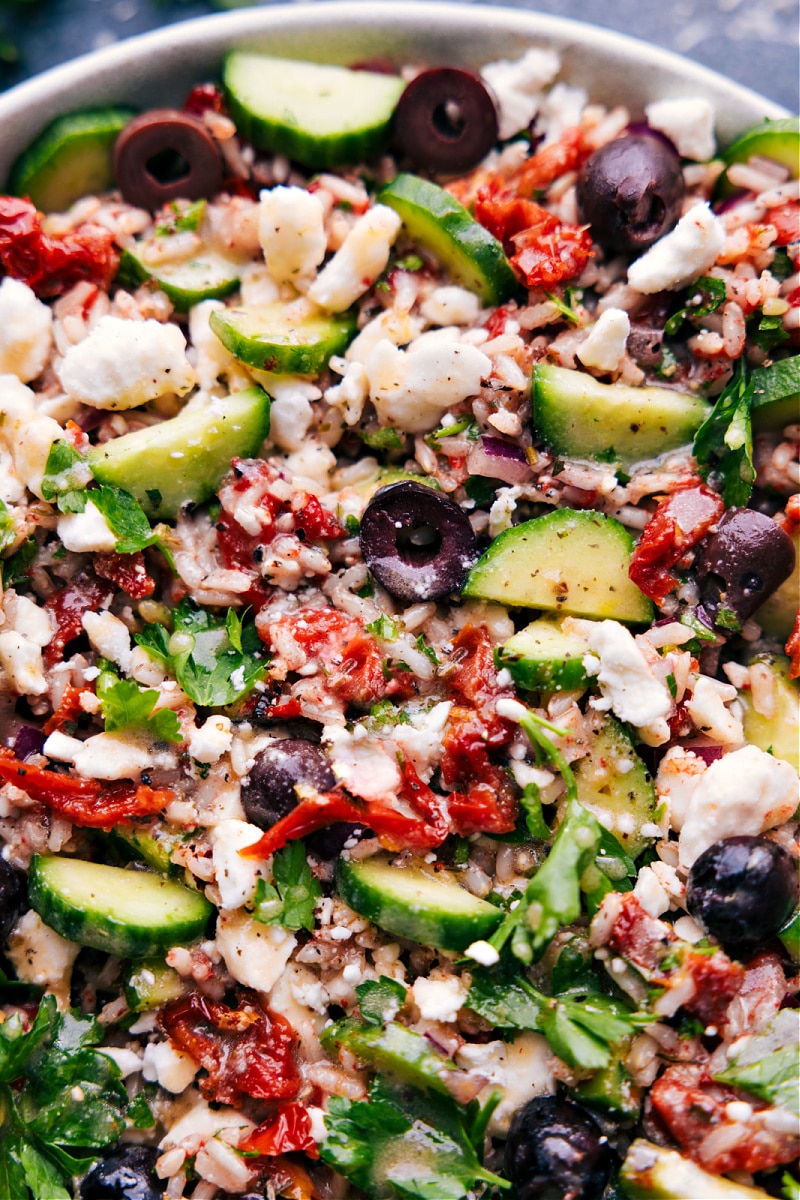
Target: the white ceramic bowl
(159, 68)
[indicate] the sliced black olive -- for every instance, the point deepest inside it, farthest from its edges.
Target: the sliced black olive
(445, 120)
(555, 1151)
(742, 564)
(13, 896)
(165, 155)
(417, 542)
(125, 1173)
(269, 791)
(742, 890)
(630, 191)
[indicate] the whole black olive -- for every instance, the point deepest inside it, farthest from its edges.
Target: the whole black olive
(630, 192)
(445, 120)
(742, 564)
(555, 1151)
(268, 793)
(742, 890)
(164, 155)
(13, 896)
(417, 542)
(125, 1173)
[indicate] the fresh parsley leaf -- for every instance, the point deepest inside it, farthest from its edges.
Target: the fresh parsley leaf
(65, 473)
(535, 727)
(384, 627)
(140, 1114)
(725, 439)
(411, 262)
(291, 900)
(208, 666)
(7, 531)
(790, 1187)
(233, 628)
(482, 490)
(768, 1065)
(508, 1002)
(380, 1000)
(401, 1143)
(464, 424)
(564, 306)
(41, 1175)
(707, 294)
(382, 439)
(769, 332)
(125, 705)
(187, 221)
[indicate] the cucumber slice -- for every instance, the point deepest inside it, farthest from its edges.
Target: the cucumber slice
(184, 459)
(268, 338)
(565, 561)
(542, 658)
(615, 785)
(778, 614)
(151, 846)
(776, 395)
(778, 140)
(416, 903)
(321, 116)
(71, 158)
(209, 276)
(612, 1089)
(579, 417)
(151, 984)
(440, 224)
(386, 475)
(652, 1173)
(779, 734)
(396, 1050)
(133, 914)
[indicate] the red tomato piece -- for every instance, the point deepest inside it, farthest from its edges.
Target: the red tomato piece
(205, 97)
(85, 593)
(678, 524)
(127, 571)
(69, 710)
(52, 265)
(290, 1130)
(786, 220)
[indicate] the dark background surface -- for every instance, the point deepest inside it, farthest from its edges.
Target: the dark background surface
(754, 42)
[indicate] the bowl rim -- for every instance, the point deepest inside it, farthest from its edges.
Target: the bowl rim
(44, 96)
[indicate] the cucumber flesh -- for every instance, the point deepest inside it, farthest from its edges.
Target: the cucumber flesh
(579, 417)
(133, 914)
(615, 785)
(396, 1050)
(69, 159)
(416, 903)
(185, 458)
(208, 276)
(776, 395)
(440, 224)
(151, 984)
(778, 140)
(385, 475)
(565, 561)
(542, 658)
(779, 734)
(651, 1172)
(269, 339)
(151, 846)
(321, 116)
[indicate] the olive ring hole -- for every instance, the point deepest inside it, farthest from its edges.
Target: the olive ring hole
(419, 543)
(168, 166)
(448, 120)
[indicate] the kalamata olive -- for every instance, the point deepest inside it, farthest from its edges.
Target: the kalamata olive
(742, 890)
(445, 120)
(13, 896)
(555, 1151)
(417, 542)
(742, 564)
(125, 1173)
(630, 192)
(165, 155)
(268, 793)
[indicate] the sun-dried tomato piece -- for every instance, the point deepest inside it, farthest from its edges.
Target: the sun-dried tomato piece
(84, 594)
(359, 679)
(680, 521)
(52, 265)
(69, 710)
(205, 97)
(290, 1130)
(543, 250)
(127, 571)
(314, 520)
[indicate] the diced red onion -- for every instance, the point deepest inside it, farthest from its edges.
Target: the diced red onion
(496, 459)
(708, 754)
(642, 129)
(29, 740)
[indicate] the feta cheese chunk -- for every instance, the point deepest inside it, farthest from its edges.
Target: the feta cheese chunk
(213, 739)
(40, 955)
(121, 755)
(26, 331)
(87, 532)
(688, 121)
(25, 615)
(517, 85)
(291, 229)
(358, 262)
(21, 660)
(412, 388)
(254, 954)
(171, 1069)
(361, 763)
(122, 364)
(681, 255)
(109, 636)
(236, 876)
(604, 347)
(707, 709)
(451, 306)
(522, 1069)
(628, 685)
(744, 792)
(26, 434)
(439, 999)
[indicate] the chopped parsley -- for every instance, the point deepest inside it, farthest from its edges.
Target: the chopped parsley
(125, 706)
(291, 899)
(725, 439)
(706, 296)
(768, 1065)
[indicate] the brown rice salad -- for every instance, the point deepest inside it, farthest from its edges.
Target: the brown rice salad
(397, 645)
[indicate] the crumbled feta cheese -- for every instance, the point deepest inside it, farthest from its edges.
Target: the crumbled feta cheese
(351, 393)
(562, 109)
(358, 262)
(109, 636)
(128, 1061)
(681, 255)
(522, 1069)
(236, 876)
(213, 739)
(87, 532)
(211, 359)
(319, 1130)
(412, 388)
(61, 747)
(291, 414)
(688, 121)
(25, 615)
(312, 465)
(26, 331)
(21, 660)
(626, 681)
(291, 228)
(254, 954)
(421, 739)
(650, 893)
(604, 347)
(200, 1122)
(439, 999)
(361, 763)
(678, 773)
(516, 85)
(706, 708)
(744, 792)
(121, 755)
(451, 306)
(482, 952)
(40, 955)
(26, 434)
(122, 364)
(501, 513)
(171, 1069)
